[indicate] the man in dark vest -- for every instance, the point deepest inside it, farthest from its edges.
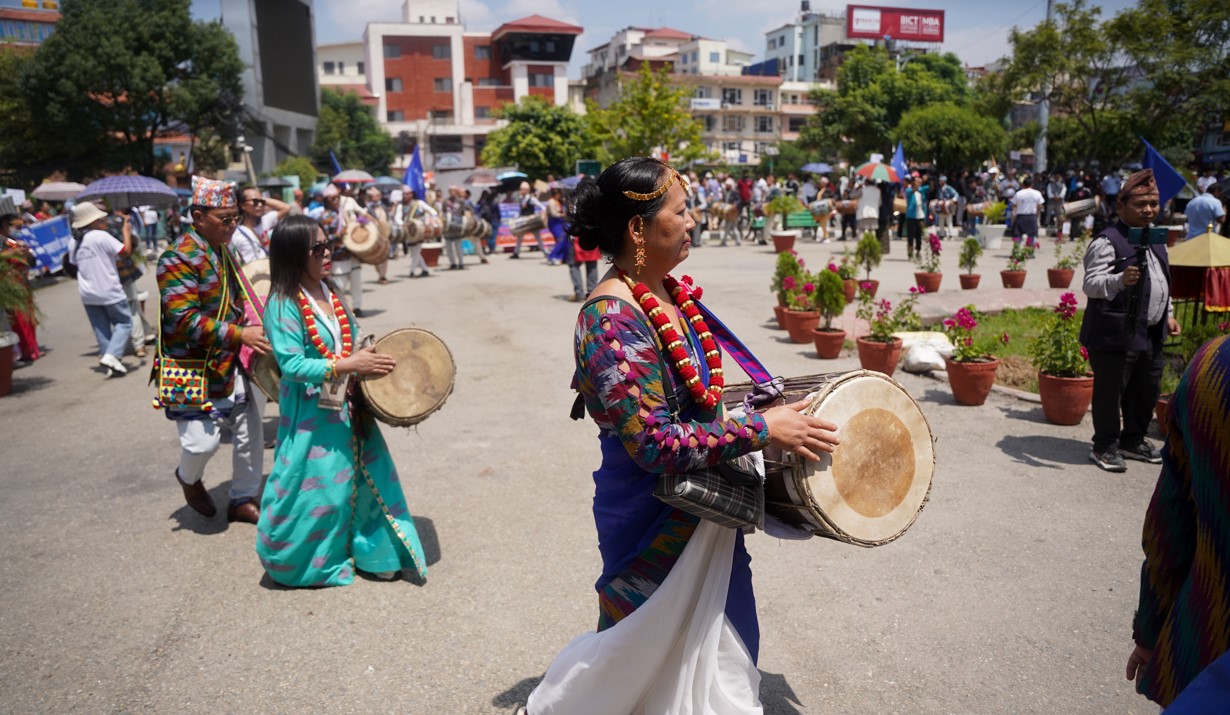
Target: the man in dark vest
(1126, 355)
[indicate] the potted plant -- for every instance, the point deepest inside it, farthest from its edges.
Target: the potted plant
(829, 298)
(1065, 263)
(15, 296)
(972, 367)
(994, 214)
(971, 251)
(781, 205)
(1064, 382)
(880, 350)
(867, 254)
(1022, 251)
(847, 270)
(801, 314)
(928, 275)
(789, 265)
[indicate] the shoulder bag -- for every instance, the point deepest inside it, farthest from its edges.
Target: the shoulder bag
(183, 382)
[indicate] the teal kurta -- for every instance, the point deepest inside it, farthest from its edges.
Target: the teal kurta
(320, 515)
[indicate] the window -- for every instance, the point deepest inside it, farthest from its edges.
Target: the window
(398, 116)
(701, 93)
(361, 67)
(445, 145)
(732, 123)
(763, 97)
(684, 59)
(733, 147)
(341, 68)
(443, 84)
(392, 84)
(696, 57)
(772, 43)
(482, 52)
(550, 46)
(801, 58)
(715, 57)
(732, 95)
(708, 122)
(392, 52)
(448, 21)
(441, 52)
(796, 124)
(488, 82)
(482, 112)
(542, 79)
(330, 68)
(764, 124)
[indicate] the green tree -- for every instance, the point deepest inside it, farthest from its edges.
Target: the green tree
(539, 139)
(299, 166)
(951, 136)
(349, 128)
(650, 116)
(117, 72)
(872, 95)
(23, 149)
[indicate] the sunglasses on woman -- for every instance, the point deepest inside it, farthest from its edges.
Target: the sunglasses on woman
(320, 249)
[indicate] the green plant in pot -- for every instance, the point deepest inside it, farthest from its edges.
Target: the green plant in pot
(782, 205)
(1064, 383)
(972, 367)
(868, 254)
(801, 315)
(788, 264)
(1060, 276)
(829, 298)
(880, 350)
(967, 259)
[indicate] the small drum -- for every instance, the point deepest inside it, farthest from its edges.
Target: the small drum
(899, 205)
(365, 243)
(978, 209)
(267, 376)
(414, 231)
(418, 386)
(482, 230)
(259, 276)
(522, 225)
(845, 207)
(1079, 209)
(874, 485)
(942, 206)
(471, 223)
(724, 211)
(823, 207)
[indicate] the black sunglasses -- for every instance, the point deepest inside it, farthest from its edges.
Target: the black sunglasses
(320, 249)
(258, 202)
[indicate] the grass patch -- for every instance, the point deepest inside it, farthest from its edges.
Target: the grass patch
(1022, 326)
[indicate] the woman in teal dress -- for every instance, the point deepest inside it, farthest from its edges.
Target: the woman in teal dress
(333, 502)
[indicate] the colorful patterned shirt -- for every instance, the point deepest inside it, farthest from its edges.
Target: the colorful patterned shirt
(190, 287)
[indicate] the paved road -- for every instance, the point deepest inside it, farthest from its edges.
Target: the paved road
(1013, 592)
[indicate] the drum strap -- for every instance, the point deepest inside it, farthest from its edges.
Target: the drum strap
(767, 387)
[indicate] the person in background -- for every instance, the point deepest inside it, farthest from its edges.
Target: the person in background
(1205, 212)
(149, 216)
(15, 252)
(345, 269)
(98, 282)
(915, 214)
(489, 210)
(382, 223)
(1026, 204)
(259, 215)
(414, 208)
(555, 224)
(529, 205)
(1056, 192)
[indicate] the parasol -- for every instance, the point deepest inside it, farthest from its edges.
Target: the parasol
(354, 176)
(58, 191)
(511, 180)
(1208, 250)
(483, 179)
(570, 183)
(878, 171)
(126, 191)
(388, 181)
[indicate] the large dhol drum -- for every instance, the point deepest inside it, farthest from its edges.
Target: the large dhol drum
(1080, 209)
(257, 273)
(433, 228)
(365, 243)
(481, 230)
(845, 207)
(724, 211)
(414, 231)
(823, 207)
(418, 386)
(875, 483)
(942, 206)
(522, 225)
(267, 376)
(978, 209)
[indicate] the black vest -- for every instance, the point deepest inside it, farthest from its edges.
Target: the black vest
(1102, 327)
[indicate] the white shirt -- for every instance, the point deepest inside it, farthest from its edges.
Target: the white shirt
(1027, 201)
(150, 216)
(98, 281)
(250, 243)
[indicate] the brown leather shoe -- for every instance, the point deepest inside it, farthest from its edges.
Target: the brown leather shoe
(197, 497)
(245, 511)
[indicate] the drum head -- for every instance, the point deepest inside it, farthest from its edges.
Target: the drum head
(267, 376)
(258, 275)
(358, 238)
(873, 485)
(419, 385)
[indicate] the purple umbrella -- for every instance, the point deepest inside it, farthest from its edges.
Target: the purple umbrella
(125, 191)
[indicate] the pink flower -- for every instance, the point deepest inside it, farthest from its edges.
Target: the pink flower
(1067, 306)
(1004, 338)
(832, 266)
(1084, 353)
(809, 288)
(865, 286)
(789, 283)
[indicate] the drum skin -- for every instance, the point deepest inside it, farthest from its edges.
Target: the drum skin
(259, 276)
(365, 244)
(418, 386)
(414, 231)
(525, 224)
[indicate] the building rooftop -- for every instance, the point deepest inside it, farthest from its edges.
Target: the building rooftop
(537, 23)
(29, 15)
(667, 33)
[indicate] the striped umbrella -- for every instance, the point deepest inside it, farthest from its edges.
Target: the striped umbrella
(878, 171)
(125, 191)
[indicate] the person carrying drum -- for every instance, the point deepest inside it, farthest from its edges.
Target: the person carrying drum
(378, 211)
(339, 212)
(203, 310)
(625, 361)
(333, 503)
(530, 205)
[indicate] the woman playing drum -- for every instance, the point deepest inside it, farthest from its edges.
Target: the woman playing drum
(333, 502)
(642, 658)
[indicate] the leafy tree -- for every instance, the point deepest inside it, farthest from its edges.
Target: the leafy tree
(953, 137)
(789, 160)
(857, 118)
(540, 138)
(349, 128)
(117, 72)
(298, 166)
(23, 148)
(650, 116)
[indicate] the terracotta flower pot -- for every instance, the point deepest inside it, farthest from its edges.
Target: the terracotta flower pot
(971, 381)
(1065, 400)
(828, 342)
(1012, 279)
(784, 241)
(800, 323)
(878, 356)
(850, 287)
(431, 254)
(929, 282)
(1161, 410)
(969, 281)
(875, 285)
(779, 312)
(6, 370)
(1059, 277)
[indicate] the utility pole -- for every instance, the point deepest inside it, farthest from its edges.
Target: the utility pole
(1044, 118)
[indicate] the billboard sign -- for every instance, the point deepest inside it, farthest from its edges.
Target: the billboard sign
(706, 104)
(867, 22)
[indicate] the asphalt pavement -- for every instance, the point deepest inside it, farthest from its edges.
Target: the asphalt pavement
(1012, 593)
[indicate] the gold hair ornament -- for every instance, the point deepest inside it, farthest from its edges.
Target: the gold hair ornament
(658, 191)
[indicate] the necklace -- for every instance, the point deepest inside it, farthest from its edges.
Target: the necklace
(343, 322)
(707, 397)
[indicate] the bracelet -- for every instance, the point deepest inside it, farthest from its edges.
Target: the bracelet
(331, 370)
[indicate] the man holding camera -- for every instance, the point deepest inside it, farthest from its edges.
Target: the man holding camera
(1129, 316)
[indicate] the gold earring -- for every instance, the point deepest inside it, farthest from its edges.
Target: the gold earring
(640, 251)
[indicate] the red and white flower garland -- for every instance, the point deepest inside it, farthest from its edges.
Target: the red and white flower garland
(343, 322)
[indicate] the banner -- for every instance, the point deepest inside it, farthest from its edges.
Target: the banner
(878, 23)
(49, 241)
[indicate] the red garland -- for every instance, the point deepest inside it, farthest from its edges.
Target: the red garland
(343, 322)
(707, 397)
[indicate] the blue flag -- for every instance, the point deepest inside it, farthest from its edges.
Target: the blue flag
(898, 163)
(1169, 181)
(337, 168)
(414, 174)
